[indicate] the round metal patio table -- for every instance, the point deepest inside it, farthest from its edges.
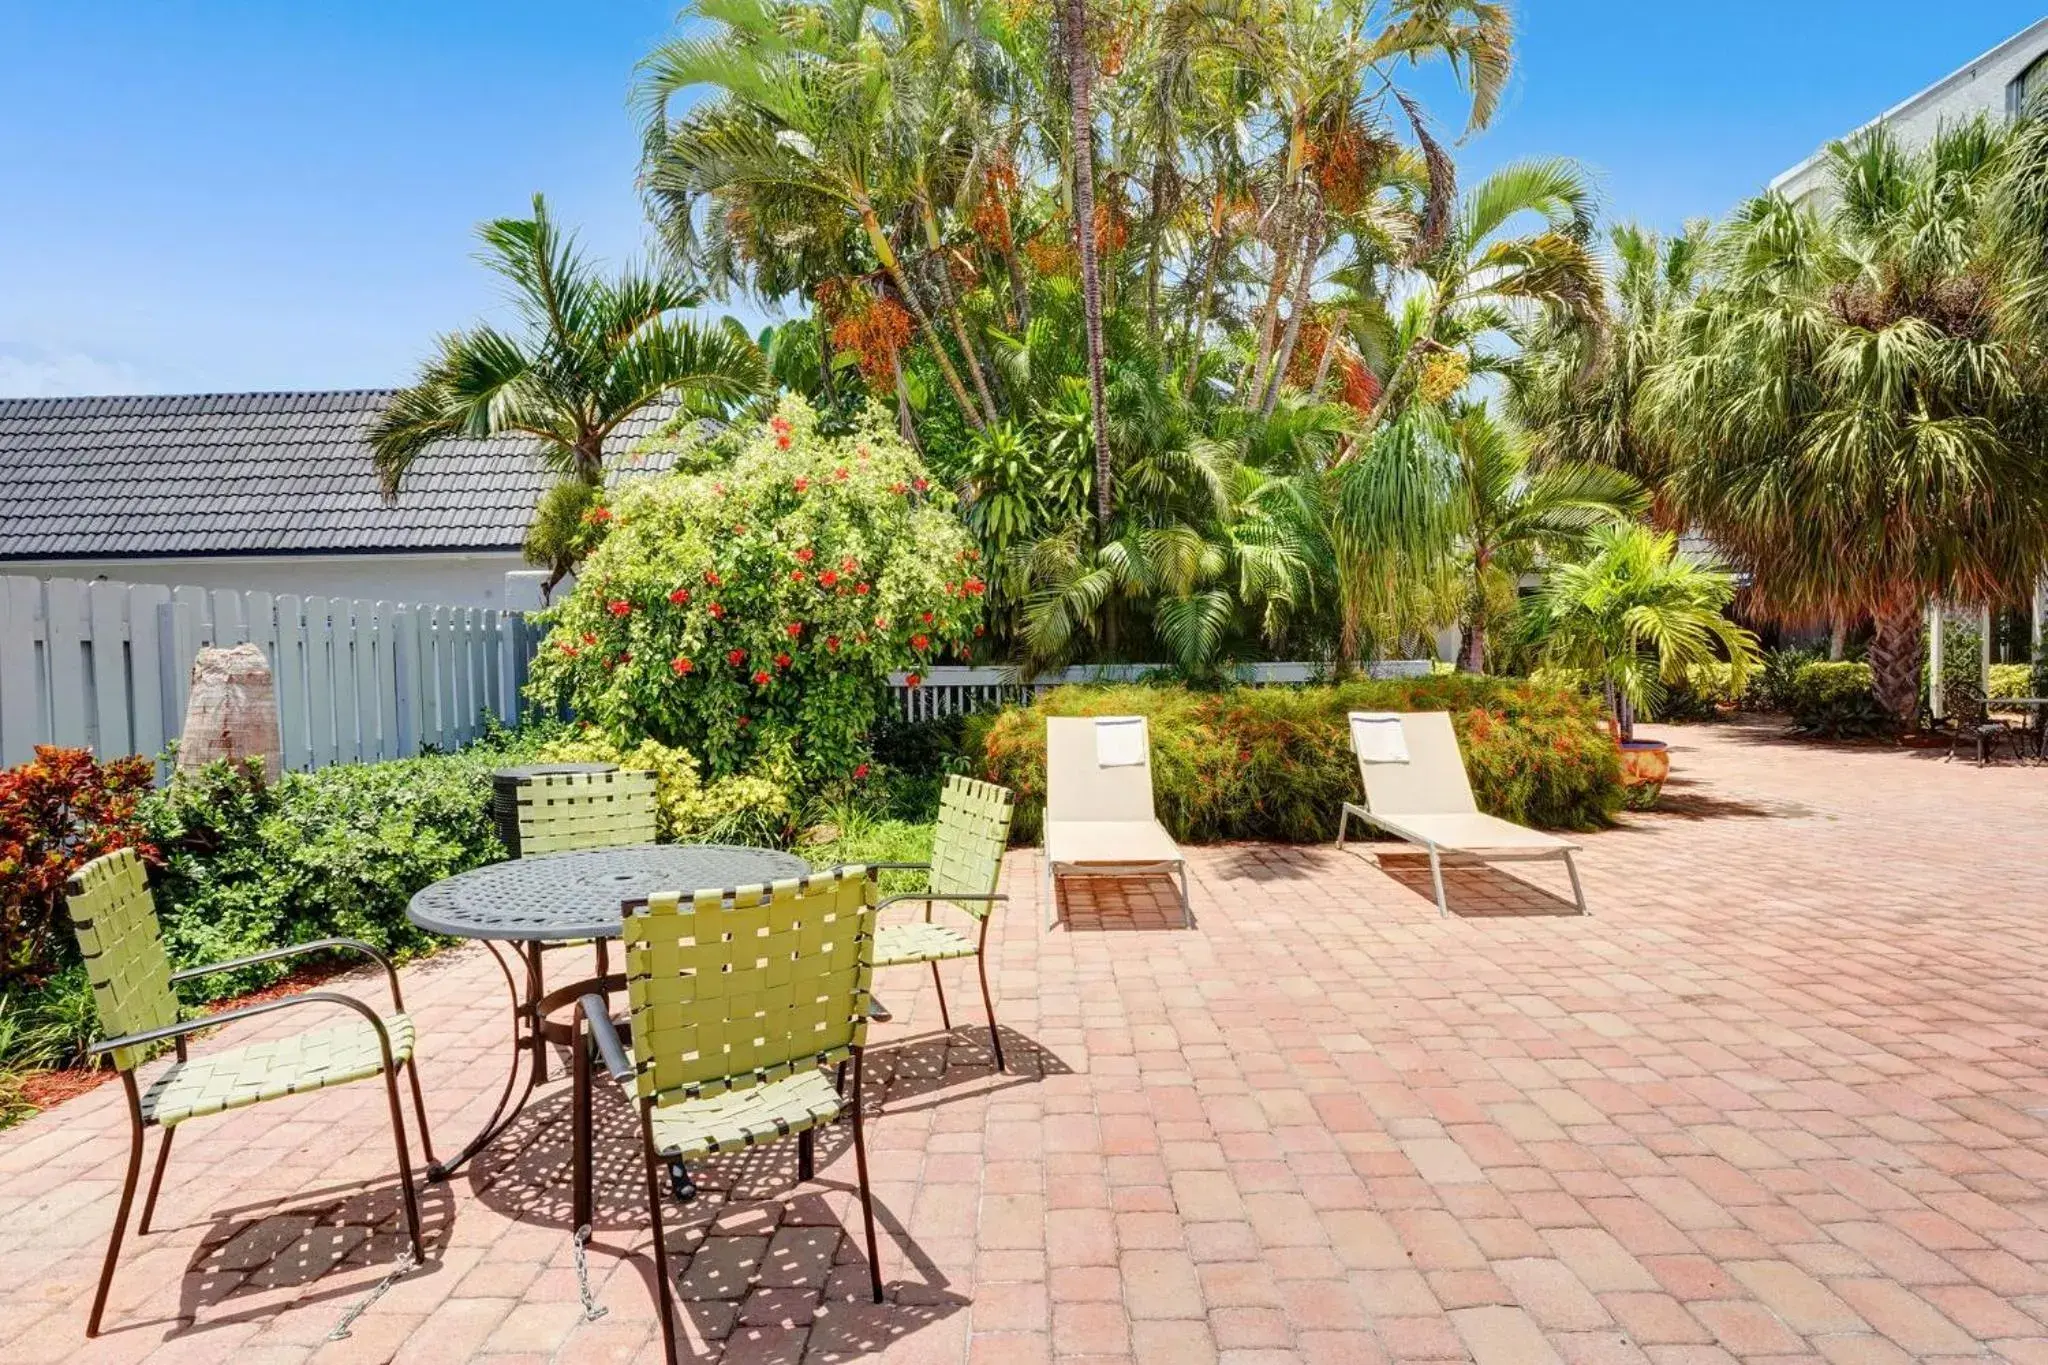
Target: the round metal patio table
(2037, 726)
(559, 898)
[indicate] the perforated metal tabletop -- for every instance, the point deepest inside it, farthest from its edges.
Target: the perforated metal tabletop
(560, 896)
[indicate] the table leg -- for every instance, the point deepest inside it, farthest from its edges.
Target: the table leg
(522, 1010)
(534, 991)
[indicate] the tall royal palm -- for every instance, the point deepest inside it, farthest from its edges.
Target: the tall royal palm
(1079, 61)
(590, 353)
(1848, 418)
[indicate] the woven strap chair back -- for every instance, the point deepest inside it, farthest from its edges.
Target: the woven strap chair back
(735, 988)
(968, 842)
(560, 812)
(115, 920)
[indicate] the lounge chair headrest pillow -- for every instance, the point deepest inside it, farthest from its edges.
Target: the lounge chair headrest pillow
(1379, 737)
(1120, 742)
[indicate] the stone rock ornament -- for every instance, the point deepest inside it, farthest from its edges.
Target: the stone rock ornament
(232, 712)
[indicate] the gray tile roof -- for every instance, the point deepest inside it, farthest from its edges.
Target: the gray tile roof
(251, 474)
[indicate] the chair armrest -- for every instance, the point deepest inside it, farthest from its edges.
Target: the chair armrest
(189, 1026)
(353, 945)
(940, 896)
(898, 867)
(606, 1035)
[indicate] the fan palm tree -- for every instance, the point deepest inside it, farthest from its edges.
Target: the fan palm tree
(1636, 614)
(1576, 390)
(1847, 415)
(1514, 513)
(589, 354)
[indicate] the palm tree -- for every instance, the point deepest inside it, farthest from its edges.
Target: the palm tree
(590, 353)
(1515, 514)
(1079, 62)
(1636, 614)
(1576, 390)
(1485, 269)
(1847, 415)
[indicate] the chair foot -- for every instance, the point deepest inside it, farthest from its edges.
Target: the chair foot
(680, 1185)
(806, 1156)
(411, 1200)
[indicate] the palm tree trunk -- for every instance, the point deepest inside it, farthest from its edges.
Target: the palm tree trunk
(1268, 317)
(903, 421)
(1329, 352)
(1202, 299)
(887, 255)
(1075, 41)
(952, 307)
(1475, 647)
(1312, 247)
(1413, 349)
(1895, 660)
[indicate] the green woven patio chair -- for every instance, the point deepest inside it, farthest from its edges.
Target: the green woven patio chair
(739, 1000)
(564, 812)
(559, 812)
(967, 863)
(115, 920)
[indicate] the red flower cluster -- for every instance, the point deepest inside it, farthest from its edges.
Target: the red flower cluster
(717, 611)
(911, 680)
(794, 629)
(860, 589)
(975, 586)
(679, 596)
(918, 642)
(796, 575)
(782, 660)
(806, 554)
(829, 577)
(683, 667)
(840, 473)
(761, 677)
(860, 773)
(711, 577)
(597, 516)
(736, 657)
(620, 607)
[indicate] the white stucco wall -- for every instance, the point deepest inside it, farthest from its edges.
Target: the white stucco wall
(456, 580)
(1980, 87)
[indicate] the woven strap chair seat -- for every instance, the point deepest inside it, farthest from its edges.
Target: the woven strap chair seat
(897, 944)
(688, 1129)
(236, 1077)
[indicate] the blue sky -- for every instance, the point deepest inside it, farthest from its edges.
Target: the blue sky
(200, 195)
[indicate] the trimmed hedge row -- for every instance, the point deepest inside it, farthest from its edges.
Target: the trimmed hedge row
(1276, 763)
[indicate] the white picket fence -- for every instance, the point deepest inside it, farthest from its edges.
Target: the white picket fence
(951, 691)
(108, 666)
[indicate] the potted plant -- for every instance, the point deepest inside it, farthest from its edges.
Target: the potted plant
(1633, 616)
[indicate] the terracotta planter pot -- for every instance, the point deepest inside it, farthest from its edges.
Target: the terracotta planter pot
(1645, 763)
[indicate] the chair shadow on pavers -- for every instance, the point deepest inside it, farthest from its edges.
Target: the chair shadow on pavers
(331, 1245)
(1473, 890)
(1102, 904)
(754, 1235)
(930, 1070)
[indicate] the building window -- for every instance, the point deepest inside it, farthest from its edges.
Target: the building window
(2026, 86)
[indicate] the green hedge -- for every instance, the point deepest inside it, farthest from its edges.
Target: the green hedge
(337, 852)
(1276, 763)
(1834, 700)
(2012, 680)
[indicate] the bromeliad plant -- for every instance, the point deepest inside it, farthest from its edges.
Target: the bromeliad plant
(752, 614)
(57, 812)
(1636, 615)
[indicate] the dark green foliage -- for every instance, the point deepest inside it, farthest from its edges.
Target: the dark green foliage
(1834, 701)
(1774, 686)
(1276, 763)
(337, 852)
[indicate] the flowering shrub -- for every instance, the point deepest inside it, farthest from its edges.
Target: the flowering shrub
(58, 812)
(751, 614)
(1275, 762)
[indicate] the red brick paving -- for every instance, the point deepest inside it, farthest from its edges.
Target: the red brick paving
(1779, 1099)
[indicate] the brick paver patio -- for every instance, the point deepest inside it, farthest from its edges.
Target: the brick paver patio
(1779, 1099)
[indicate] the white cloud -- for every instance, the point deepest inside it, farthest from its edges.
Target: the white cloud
(35, 373)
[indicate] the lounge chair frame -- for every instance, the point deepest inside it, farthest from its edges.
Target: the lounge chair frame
(1436, 848)
(1056, 868)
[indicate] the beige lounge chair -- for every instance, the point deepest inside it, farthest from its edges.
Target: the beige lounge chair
(1098, 806)
(1416, 789)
